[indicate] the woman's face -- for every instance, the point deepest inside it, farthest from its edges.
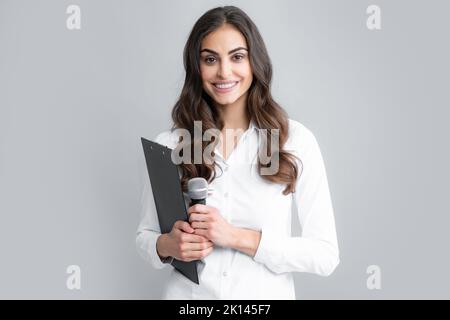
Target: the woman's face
(225, 66)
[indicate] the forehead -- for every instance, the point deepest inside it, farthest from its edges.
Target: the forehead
(224, 39)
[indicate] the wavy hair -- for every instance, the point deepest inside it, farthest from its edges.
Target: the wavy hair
(194, 104)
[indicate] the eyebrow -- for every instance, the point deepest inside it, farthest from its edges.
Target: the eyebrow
(229, 52)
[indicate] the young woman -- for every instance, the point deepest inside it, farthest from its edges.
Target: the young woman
(242, 236)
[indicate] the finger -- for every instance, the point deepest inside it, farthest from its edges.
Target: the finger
(185, 226)
(198, 246)
(198, 217)
(201, 232)
(206, 252)
(193, 238)
(196, 255)
(198, 208)
(201, 225)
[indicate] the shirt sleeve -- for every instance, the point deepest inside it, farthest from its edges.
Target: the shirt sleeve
(148, 230)
(316, 251)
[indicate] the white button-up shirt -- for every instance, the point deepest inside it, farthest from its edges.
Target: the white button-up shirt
(246, 200)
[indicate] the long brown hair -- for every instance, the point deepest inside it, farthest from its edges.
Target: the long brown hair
(194, 104)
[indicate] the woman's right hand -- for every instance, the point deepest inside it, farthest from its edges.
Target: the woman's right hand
(181, 244)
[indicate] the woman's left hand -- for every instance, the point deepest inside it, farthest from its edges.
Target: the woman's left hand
(208, 222)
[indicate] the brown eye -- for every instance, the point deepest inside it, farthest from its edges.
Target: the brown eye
(239, 57)
(210, 60)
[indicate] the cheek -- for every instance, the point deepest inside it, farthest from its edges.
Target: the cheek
(245, 72)
(247, 76)
(207, 73)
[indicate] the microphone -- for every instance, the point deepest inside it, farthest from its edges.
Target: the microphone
(197, 190)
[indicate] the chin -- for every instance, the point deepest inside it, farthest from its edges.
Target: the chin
(225, 101)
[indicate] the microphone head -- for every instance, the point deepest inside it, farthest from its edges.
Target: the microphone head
(197, 188)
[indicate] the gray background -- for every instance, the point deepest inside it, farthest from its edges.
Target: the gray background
(73, 105)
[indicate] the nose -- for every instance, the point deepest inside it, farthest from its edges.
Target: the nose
(225, 69)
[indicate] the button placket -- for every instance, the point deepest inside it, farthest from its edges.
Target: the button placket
(226, 199)
(226, 194)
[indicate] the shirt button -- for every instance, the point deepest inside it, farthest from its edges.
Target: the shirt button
(225, 194)
(225, 273)
(226, 168)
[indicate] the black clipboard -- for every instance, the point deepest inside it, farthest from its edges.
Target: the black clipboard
(168, 195)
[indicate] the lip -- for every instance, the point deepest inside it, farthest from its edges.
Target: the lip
(226, 90)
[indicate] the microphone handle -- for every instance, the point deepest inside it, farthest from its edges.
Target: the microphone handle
(197, 201)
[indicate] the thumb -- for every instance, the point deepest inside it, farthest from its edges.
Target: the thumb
(186, 227)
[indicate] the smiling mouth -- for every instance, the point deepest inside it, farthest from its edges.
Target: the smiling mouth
(228, 85)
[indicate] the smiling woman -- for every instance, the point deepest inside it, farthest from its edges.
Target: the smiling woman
(241, 236)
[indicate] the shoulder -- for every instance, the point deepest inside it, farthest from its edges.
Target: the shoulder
(300, 138)
(303, 144)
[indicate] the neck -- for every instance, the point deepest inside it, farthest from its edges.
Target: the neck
(235, 115)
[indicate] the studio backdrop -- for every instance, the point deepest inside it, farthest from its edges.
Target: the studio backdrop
(81, 81)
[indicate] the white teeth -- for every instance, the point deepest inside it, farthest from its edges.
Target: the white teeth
(225, 86)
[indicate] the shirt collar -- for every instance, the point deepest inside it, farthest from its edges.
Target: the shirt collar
(252, 127)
